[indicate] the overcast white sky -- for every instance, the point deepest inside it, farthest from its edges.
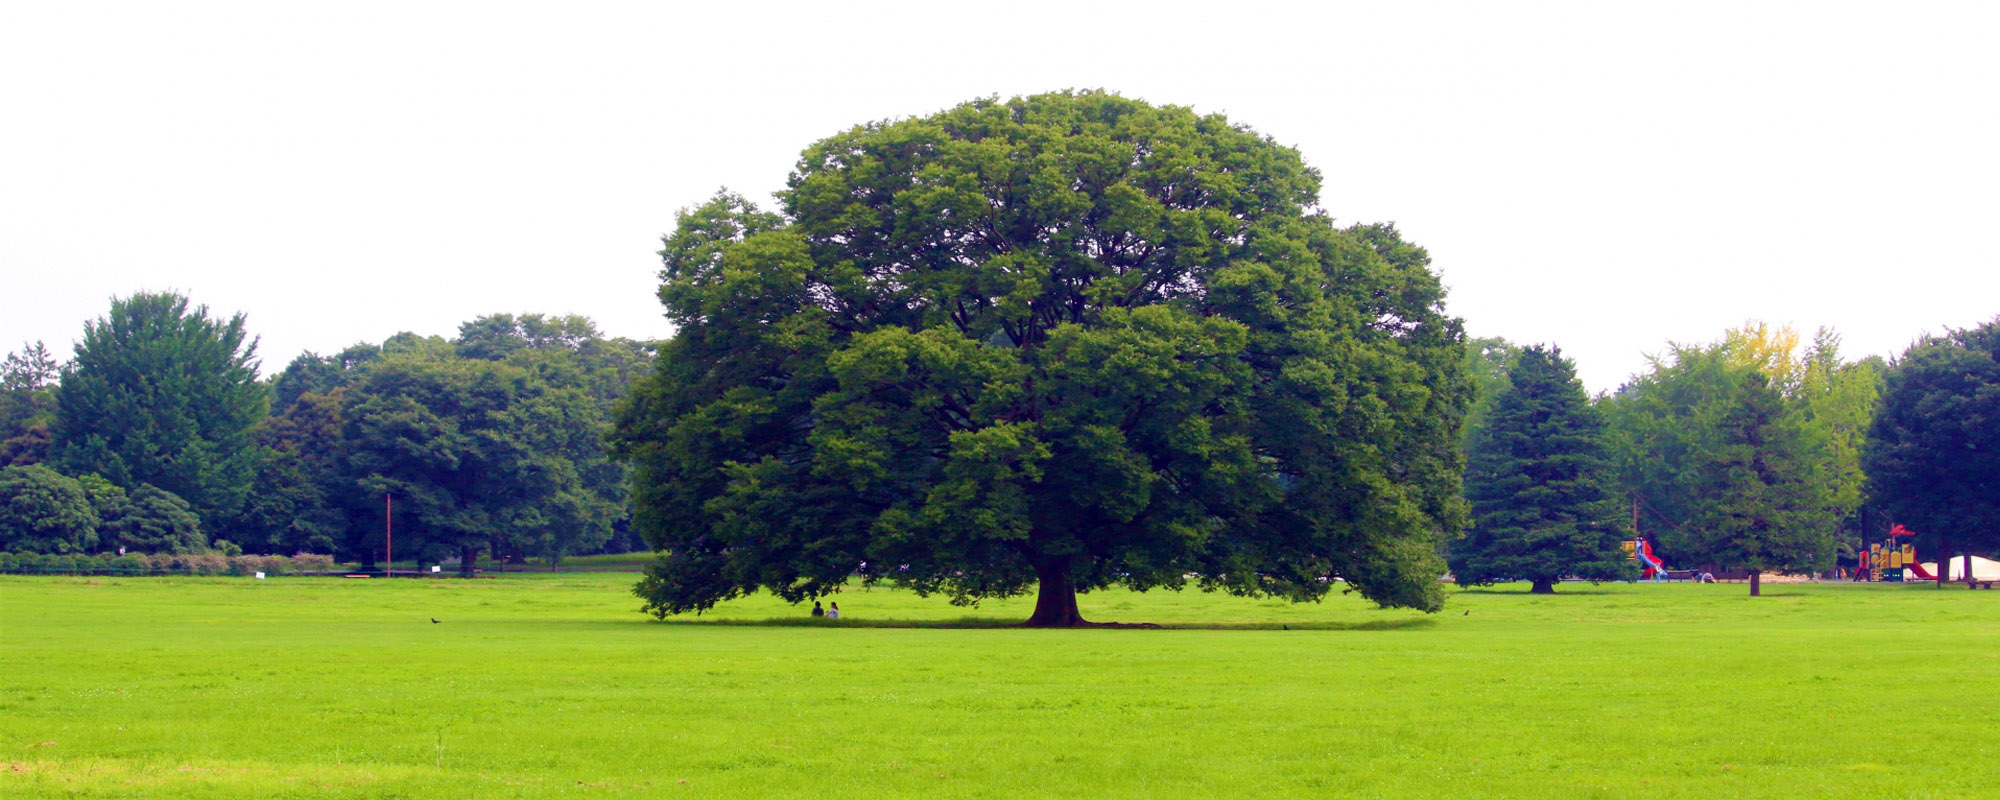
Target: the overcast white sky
(1603, 176)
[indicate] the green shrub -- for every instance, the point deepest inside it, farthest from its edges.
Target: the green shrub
(44, 511)
(129, 564)
(6, 561)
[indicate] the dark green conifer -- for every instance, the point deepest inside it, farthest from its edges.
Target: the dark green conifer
(1539, 481)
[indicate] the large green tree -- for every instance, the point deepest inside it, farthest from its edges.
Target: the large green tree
(1838, 400)
(295, 502)
(163, 394)
(1933, 454)
(586, 374)
(1058, 343)
(1724, 466)
(1544, 503)
(476, 454)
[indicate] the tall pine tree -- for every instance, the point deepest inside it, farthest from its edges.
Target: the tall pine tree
(1539, 480)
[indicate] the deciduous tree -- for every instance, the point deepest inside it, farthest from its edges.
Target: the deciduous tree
(42, 511)
(1059, 343)
(477, 454)
(1723, 464)
(1933, 453)
(164, 394)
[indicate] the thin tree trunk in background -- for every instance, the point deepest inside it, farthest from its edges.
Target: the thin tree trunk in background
(468, 555)
(1943, 562)
(1756, 583)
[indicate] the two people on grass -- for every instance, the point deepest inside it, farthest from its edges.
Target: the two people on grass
(833, 613)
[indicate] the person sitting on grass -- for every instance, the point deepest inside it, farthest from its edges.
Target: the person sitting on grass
(834, 612)
(817, 611)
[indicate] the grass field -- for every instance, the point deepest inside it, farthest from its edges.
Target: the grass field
(553, 685)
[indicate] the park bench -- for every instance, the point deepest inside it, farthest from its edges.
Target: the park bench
(1979, 585)
(1679, 574)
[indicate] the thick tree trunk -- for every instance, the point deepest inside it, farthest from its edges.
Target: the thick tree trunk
(1543, 586)
(468, 556)
(1055, 601)
(1943, 562)
(1756, 583)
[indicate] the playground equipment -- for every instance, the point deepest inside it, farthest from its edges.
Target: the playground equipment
(1650, 567)
(1885, 560)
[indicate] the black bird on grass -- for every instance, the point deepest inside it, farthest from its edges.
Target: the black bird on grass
(434, 620)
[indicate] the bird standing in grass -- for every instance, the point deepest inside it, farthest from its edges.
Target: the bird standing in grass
(434, 620)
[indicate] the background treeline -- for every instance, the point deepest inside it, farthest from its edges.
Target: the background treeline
(1761, 450)
(159, 437)
(1758, 451)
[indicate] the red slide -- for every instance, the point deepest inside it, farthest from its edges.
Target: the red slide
(1919, 571)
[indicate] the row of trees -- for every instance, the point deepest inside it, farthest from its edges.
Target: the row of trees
(489, 441)
(1751, 453)
(1073, 340)
(1048, 344)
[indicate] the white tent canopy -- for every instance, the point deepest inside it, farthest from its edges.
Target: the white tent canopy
(1983, 569)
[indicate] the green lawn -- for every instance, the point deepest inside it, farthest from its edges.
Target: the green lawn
(554, 685)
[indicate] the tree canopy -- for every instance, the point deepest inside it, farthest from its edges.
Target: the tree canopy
(42, 511)
(163, 394)
(1064, 341)
(489, 442)
(1933, 457)
(1487, 360)
(1740, 454)
(27, 404)
(1544, 502)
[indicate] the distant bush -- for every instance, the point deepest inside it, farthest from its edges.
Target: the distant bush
(251, 565)
(210, 563)
(313, 562)
(205, 563)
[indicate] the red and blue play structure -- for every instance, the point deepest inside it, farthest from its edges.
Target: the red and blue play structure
(1650, 568)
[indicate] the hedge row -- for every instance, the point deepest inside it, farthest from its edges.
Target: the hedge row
(165, 563)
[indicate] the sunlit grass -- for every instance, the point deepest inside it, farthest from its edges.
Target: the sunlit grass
(546, 685)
